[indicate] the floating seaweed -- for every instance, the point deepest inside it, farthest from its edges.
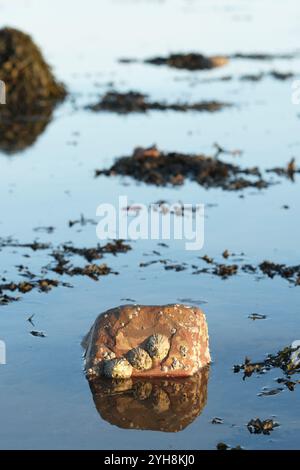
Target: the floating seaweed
(153, 166)
(283, 360)
(257, 426)
(134, 102)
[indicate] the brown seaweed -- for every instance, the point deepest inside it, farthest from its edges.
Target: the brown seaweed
(134, 102)
(153, 166)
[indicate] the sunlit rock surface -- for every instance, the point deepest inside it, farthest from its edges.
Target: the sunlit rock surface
(174, 336)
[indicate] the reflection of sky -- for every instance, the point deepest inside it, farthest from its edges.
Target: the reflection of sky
(83, 41)
(85, 34)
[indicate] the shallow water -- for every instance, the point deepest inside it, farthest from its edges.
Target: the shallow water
(45, 400)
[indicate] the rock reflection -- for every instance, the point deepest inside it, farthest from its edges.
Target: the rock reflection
(168, 405)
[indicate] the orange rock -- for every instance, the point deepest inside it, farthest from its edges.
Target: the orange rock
(175, 338)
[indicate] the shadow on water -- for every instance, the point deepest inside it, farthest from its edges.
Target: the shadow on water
(168, 405)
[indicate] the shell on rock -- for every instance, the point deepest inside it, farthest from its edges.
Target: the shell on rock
(158, 346)
(118, 368)
(139, 359)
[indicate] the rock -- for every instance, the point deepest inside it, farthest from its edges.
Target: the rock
(31, 91)
(168, 405)
(154, 341)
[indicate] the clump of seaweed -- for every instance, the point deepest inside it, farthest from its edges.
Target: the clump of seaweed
(257, 426)
(291, 273)
(31, 90)
(283, 360)
(190, 61)
(134, 102)
(158, 346)
(62, 266)
(90, 254)
(153, 166)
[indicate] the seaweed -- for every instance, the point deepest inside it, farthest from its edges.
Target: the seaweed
(153, 166)
(134, 102)
(257, 426)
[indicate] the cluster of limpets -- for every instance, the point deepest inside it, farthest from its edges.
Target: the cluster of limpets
(157, 347)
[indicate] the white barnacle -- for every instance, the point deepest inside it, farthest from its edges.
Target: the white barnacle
(183, 351)
(109, 355)
(176, 364)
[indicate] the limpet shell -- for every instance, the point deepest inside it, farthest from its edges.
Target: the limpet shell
(139, 359)
(118, 368)
(158, 346)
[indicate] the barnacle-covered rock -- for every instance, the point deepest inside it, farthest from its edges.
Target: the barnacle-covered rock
(174, 336)
(118, 368)
(158, 346)
(139, 359)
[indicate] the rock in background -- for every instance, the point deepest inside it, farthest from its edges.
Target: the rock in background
(31, 91)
